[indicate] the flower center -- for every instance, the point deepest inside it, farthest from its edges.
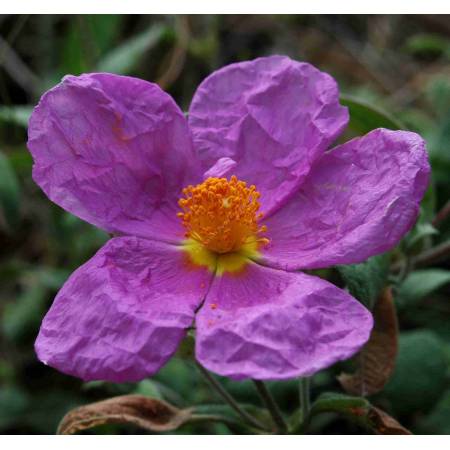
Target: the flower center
(222, 215)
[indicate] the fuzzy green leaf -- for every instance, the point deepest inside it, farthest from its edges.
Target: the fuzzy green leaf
(366, 280)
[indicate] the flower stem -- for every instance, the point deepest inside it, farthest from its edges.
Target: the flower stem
(230, 400)
(271, 405)
(305, 403)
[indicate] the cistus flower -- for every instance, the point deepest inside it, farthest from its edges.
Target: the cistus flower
(213, 217)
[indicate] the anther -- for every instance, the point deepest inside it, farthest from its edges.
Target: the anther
(222, 215)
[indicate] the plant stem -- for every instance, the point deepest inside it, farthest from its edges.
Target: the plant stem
(435, 254)
(230, 400)
(441, 215)
(305, 403)
(271, 405)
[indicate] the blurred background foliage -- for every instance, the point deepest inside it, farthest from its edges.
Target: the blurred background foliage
(393, 71)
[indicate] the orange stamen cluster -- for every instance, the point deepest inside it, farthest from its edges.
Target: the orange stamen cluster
(222, 215)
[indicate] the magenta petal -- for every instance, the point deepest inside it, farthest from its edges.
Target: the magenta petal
(121, 316)
(359, 200)
(222, 168)
(270, 324)
(273, 116)
(115, 151)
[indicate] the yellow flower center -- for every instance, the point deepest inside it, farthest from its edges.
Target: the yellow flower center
(221, 219)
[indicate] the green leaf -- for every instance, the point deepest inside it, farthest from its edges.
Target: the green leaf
(24, 314)
(366, 280)
(419, 284)
(438, 93)
(17, 115)
(365, 117)
(420, 232)
(7, 372)
(104, 29)
(9, 194)
(428, 44)
(226, 410)
(340, 403)
(106, 388)
(21, 161)
(229, 416)
(87, 38)
(124, 58)
(437, 422)
(148, 388)
(13, 403)
(428, 204)
(50, 277)
(186, 349)
(46, 408)
(175, 381)
(419, 377)
(74, 53)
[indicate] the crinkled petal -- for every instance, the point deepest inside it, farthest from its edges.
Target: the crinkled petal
(273, 116)
(121, 316)
(270, 324)
(359, 200)
(115, 151)
(222, 168)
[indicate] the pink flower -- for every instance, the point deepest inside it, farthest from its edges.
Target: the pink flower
(221, 254)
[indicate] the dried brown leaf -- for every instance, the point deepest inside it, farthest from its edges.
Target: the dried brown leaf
(148, 413)
(382, 423)
(376, 361)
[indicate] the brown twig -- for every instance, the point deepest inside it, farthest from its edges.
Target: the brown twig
(441, 215)
(427, 257)
(178, 55)
(17, 69)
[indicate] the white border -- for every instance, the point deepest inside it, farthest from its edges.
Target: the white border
(225, 7)
(185, 442)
